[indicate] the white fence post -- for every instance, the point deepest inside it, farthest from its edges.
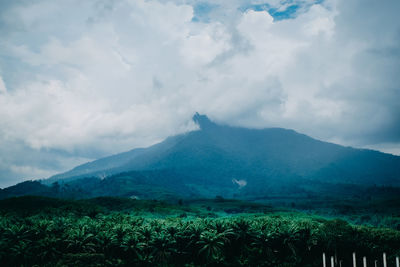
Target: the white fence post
(332, 262)
(397, 262)
(323, 260)
(365, 261)
(384, 260)
(376, 263)
(354, 260)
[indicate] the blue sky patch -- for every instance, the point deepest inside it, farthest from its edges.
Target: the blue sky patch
(202, 12)
(290, 12)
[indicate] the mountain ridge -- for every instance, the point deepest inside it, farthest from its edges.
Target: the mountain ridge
(231, 162)
(239, 145)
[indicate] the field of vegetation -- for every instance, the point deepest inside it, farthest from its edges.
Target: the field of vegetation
(37, 231)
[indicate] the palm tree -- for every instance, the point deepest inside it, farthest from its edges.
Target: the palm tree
(212, 245)
(133, 249)
(162, 247)
(78, 240)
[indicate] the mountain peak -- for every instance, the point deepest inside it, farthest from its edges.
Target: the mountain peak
(203, 121)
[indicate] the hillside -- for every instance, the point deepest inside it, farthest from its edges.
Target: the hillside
(251, 154)
(233, 162)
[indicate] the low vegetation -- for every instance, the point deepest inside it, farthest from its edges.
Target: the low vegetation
(36, 231)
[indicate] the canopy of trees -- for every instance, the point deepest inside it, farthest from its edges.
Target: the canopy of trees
(67, 238)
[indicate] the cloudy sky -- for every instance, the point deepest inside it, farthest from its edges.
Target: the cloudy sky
(83, 79)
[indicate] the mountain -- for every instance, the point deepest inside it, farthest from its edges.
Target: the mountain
(233, 161)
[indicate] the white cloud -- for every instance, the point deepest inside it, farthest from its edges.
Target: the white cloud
(108, 76)
(202, 47)
(3, 88)
(319, 20)
(30, 171)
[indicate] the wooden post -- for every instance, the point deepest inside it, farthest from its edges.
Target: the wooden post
(354, 260)
(384, 260)
(332, 262)
(365, 261)
(323, 260)
(397, 262)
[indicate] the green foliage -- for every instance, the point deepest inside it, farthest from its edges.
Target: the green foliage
(60, 236)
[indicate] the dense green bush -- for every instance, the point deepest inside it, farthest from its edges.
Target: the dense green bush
(125, 240)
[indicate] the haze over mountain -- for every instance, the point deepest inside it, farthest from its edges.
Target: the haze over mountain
(220, 159)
